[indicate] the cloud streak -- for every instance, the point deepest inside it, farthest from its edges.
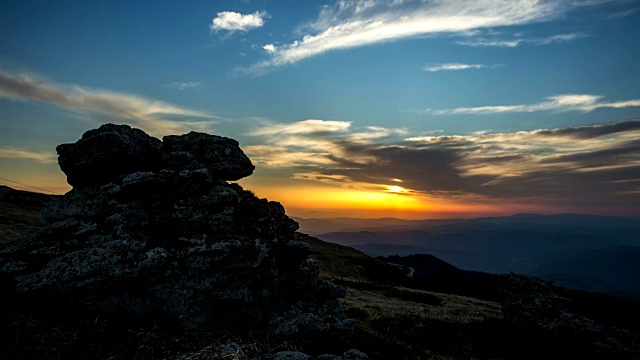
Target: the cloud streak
(40, 157)
(566, 102)
(511, 43)
(151, 115)
(310, 126)
(455, 66)
(350, 24)
(183, 85)
(233, 21)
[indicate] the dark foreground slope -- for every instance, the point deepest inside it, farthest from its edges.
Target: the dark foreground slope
(396, 319)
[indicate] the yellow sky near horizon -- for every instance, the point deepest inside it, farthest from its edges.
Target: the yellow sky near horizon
(307, 199)
(300, 198)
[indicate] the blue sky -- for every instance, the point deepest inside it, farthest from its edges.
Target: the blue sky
(439, 101)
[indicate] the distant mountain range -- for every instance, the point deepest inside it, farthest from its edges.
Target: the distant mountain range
(586, 252)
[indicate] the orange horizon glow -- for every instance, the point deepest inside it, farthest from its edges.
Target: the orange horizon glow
(392, 201)
(307, 200)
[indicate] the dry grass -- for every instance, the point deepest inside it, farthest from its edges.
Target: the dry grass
(392, 327)
(345, 263)
(397, 322)
(17, 221)
(20, 213)
(453, 308)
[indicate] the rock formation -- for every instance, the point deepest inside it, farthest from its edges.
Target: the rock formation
(535, 306)
(153, 228)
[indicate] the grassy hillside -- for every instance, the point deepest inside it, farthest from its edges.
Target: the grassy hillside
(20, 212)
(398, 322)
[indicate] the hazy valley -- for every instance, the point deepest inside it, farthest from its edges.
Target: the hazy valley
(588, 252)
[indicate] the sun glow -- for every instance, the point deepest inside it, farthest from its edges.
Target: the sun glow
(304, 199)
(397, 189)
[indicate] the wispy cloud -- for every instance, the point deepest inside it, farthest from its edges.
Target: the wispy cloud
(151, 115)
(595, 165)
(182, 85)
(349, 24)
(233, 21)
(490, 43)
(311, 142)
(558, 38)
(623, 13)
(455, 66)
(514, 42)
(566, 102)
(310, 126)
(374, 133)
(40, 157)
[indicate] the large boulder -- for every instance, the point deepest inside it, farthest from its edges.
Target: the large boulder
(141, 236)
(220, 155)
(106, 153)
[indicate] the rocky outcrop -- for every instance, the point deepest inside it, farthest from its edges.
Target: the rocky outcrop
(233, 351)
(220, 155)
(535, 306)
(152, 228)
(104, 154)
(296, 355)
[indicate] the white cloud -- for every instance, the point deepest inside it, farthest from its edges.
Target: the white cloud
(148, 114)
(41, 157)
(310, 126)
(349, 24)
(233, 21)
(283, 156)
(180, 85)
(567, 102)
(311, 143)
(270, 48)
(452, 66)
(375, 132)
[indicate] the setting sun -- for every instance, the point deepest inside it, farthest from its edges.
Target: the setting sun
(397, 189)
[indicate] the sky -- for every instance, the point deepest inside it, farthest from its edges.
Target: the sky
(413, 109)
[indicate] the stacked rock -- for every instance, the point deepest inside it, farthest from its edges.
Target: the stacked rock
(153, 228)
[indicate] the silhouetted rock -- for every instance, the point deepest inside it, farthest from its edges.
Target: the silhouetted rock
(145, 234)
(106, 153)
(220, 155)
